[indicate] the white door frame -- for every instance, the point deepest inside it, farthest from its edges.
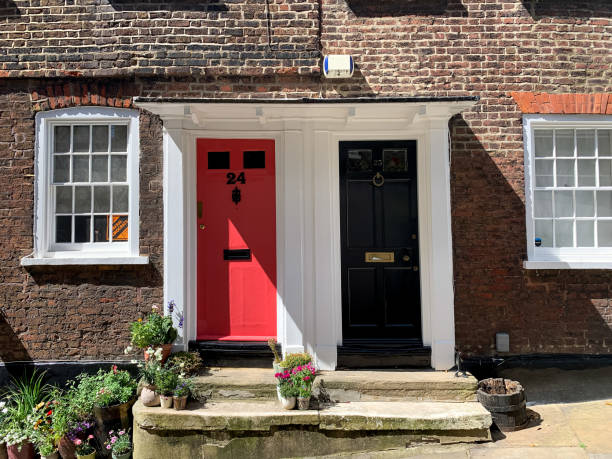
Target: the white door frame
(306, 139)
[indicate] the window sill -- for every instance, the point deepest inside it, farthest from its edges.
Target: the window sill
(85, 260)
(556, 264)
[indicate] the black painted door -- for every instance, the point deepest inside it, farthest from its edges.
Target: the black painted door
(379, 237)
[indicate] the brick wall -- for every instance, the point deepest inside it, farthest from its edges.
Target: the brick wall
(488, 48)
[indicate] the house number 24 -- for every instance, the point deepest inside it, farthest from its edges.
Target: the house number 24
(232, 179)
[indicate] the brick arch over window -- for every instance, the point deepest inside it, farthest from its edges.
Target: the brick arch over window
(563, 104)
(74, 94)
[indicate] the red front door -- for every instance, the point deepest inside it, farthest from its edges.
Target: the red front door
(236, 218)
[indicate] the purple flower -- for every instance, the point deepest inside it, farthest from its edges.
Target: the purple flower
(171, 306)
(181, 319)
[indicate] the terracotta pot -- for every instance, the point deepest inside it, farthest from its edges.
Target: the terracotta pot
(288, 403)
(180, 402)
(3, 453)
(165, 401)
(148, 396)
(21, 451)
(303, 403)
(89, 456)
(54, 455)
(66, 448)
(166, 350)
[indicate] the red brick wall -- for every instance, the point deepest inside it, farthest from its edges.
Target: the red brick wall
(488, 48)
(62, 312)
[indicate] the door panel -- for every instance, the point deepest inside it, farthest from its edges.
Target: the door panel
(236, 218)
(379, 237)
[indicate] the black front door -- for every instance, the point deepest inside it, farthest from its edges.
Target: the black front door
(379, 236)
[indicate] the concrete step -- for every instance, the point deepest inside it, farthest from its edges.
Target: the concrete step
(257, 384)
(263, 429)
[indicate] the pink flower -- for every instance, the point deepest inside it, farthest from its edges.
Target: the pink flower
(90, 437)
(121, 432)
(306, 378)
(108, 446)
(113, 440)
(78, 441)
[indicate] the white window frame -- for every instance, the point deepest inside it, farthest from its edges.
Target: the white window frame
(552, 257)
(46, 252)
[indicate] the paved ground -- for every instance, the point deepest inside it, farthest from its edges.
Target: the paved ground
(571, 417)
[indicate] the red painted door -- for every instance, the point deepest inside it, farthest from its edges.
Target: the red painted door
(236, 218)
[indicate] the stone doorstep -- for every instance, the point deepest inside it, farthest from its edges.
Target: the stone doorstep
(360, 416)
(340, 386)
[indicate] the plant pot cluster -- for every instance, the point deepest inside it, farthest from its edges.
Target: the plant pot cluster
(295, 376)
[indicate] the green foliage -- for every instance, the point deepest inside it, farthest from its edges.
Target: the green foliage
(166, 381)
(296, 360)
(186, 362)
(288, 389)
(155, 330)
(119, 442)
(184, 387)
(303, 377)
(148, 370)
(105, 388)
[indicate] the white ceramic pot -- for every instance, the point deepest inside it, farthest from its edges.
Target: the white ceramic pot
(288, 403)
(148, 396)
(166, 401)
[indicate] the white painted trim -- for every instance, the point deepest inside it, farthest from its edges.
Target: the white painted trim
(550, 257)
(308, 219)
(85, 260)
(43, 205)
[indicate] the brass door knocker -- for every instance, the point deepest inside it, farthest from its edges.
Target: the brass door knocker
(378, 179)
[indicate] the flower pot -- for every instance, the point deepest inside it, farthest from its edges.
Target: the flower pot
(277, 367)
(53, 455)
(303, 403)
(180, 402)
(166, 350)
(126, 455)
(288, 403)
(66, 448)
(87, 456)
(3, 453)
(166, 401)
(108, 417)
(24, 450)
(148, 396)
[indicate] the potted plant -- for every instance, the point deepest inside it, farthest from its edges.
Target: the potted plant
(276, 363)
(148, 371)
(120, 444)
(181, 393)
(302, 377)
(44, 436)
(84, 448)
(3, 422)
(295, 360)
(156, 331)
(286, 389)
(166, 381)
(187, 362)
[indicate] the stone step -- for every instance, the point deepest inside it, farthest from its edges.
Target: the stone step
(257, 384)
(264, 429)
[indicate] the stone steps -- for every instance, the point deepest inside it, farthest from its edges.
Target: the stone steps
(255, 384)
(263, 429)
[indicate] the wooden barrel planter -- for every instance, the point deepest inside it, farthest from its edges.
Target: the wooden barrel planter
(505, 400)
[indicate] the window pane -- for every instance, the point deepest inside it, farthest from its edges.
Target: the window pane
(118, 168)
(101, 198)
(61, 139)
(119, 138)
(99, 165)
(61, 169)
(543, 142)
(82, 228)
(544, 172)
(82, 200)
(543, 204)
(565, 142)
(395, 160)
(604, 233)
(101, 228)
(584, 204)
(99, 139)
(254, 159)
(120, 198)
(604, 142)
(564, 204)
(585, 236)
(63, 229)
(218, 160)
(543, 232)
(120, 227)
(81, 138)
(586, 172)
(359, 160)
(564, 233)
(565, 172)
(63, 199)
(604, 203)
(80, 168)
(605, 172)
(585, 142)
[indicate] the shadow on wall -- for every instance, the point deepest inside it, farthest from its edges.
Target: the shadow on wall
(205, 6)
(8, 10)
(569, 8)
(383, 8)
(11, 348)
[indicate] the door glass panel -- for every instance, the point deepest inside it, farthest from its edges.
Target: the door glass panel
(82, 228)
(218, 160)
(61, 139)
(585, 236)
(395, 160)
(360, 214)
(565, 142)
(254, 159)
(359, 160)
(543, 232)
(543, 142)
(585, 142)
(396, 214)
(81, 139)
(544, 172)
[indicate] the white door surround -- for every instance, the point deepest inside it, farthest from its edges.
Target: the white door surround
(307, 136)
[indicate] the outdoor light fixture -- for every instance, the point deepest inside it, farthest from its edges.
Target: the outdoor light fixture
(338, 66)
